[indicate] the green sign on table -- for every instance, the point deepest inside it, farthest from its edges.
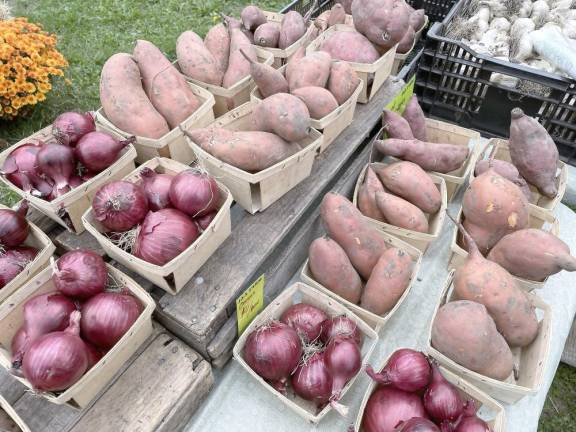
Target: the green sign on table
(401, 100)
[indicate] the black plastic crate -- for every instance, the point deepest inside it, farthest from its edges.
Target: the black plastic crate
(411, 65)
(303, 6)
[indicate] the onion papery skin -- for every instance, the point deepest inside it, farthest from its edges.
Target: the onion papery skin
(305, 319)
(69, 127)
(406, 370)
(273, 352)
(21, 168)
(194, 193)
(472, 424)
(388, 406)
(417, 424)
(164, 235)
(204, 222)
(98, 150)
(94, 355)
(120, 206)
(14, 227)
(57, 360)
(344, 360)
(312, 380)
(75, 181)
(106, 317)
(80, 274)
(442, 399)
(57, 162)
(156, 187)
(341, 326)
(13, 261)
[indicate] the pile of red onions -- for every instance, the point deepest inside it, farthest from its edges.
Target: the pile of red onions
(68, 331)
(296, 349)
(78, 153)
(160, 217)
(414, 396)
(14, 230)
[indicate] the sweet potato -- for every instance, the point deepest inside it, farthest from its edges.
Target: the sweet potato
(347, 4)
(332, 268)
(388, 281)
(249, 151)
(343, 81)
(124, 100)
(506, 170)
(337, 15)
(409, 181)
(415, 117)
(293, 28)
(311, 70)
(417, 19)
(533, 152)
(401, 213)
(319, 101)
(267, 35)
(284, 114)
(196, 61)
(238, 66)
(532, 254)
(344, 223)
(383, 22)
(442, 158)
(367, 196)
(407, 42)
(252, 17)
(217, 41)
(484, 281)
(269, 80)
(350, 46)
(396, 126)
(300, 53)
(493, 207)
(321, 22)
(464, 332)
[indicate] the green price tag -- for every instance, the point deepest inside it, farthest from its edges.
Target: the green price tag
(249, 304)
(401, 100)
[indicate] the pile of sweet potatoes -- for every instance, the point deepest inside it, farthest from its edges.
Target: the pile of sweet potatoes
(143, 94)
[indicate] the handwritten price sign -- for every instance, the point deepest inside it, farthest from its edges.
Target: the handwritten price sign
(249, 304)
(401, 100)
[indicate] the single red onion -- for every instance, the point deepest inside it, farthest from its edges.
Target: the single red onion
(305, 319)
(468, 421)
(406, 370)
(94, 355)
(156, 187)
(13, 261)
(98, 150)
(164, 235)
(57, 162)
(21, 168)
(194, 193)
(388, 407)
(75, 181)
(14, 228)
(106, 317)
(80, 274)
(341, 326)
(442, 399)
(120, 205)
(344, 360)
(273, 352)
(417, 424)
(57, 360)
(204, 222)
(69, 127)
(312, 380)
(87, 176)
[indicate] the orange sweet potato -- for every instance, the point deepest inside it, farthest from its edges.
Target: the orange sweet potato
(283, 114)
(124, 100)
(407, 42)
(311, 70)
(196, 61)
(321, 22)
(367, 196)
(293, 28)
(332, 268)
(415, 117)
(238, 66)
(267, 35)
(343, 81)
(268, 80)
(337, 15)
(217, 41)
(417, 19)
(506, 170)
(319, 101)
(300, 53)
(350, 46)
(347, 4)
(401, 213)
(252, 17)
(383, 22)
(396, 126)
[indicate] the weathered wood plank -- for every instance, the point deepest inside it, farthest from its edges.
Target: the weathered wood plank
(10, 388)
(205, 304)
(40, 220)
(66, 241)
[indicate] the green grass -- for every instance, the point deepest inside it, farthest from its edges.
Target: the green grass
(559, 412)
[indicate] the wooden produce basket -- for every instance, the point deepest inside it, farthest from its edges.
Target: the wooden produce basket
(493, 413)
(8, 415)
(297, 293)
(226, 99)
(435, 221)
(445, 133)
(172, 276)
(67, 210)
(530, 361)
(375, 321)
(538, 219)
(499, 149)
(85, 390)
(38, 239)
(373, 75)
(173, 144)
(257, 191)
(400, 59)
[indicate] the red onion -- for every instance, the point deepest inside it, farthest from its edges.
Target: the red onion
(344, 360)
(69, 127)
(13, 261)
(305, 319)
(273, 352)
(194, 193)
(417, 424)
(106, 317)
(75, 181)
(94, 355)
(20, 168)
(468, 422)
(87, 176)
(56, 360)
(98, 150)
(388, 406)
(204, 222)
(407, 370)
(442, 399)
(312, 380)
(14, 228)
(57, 162)
(164, 235)
(340, 326)
(80, 274)
(156, 187)
(120, 205)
